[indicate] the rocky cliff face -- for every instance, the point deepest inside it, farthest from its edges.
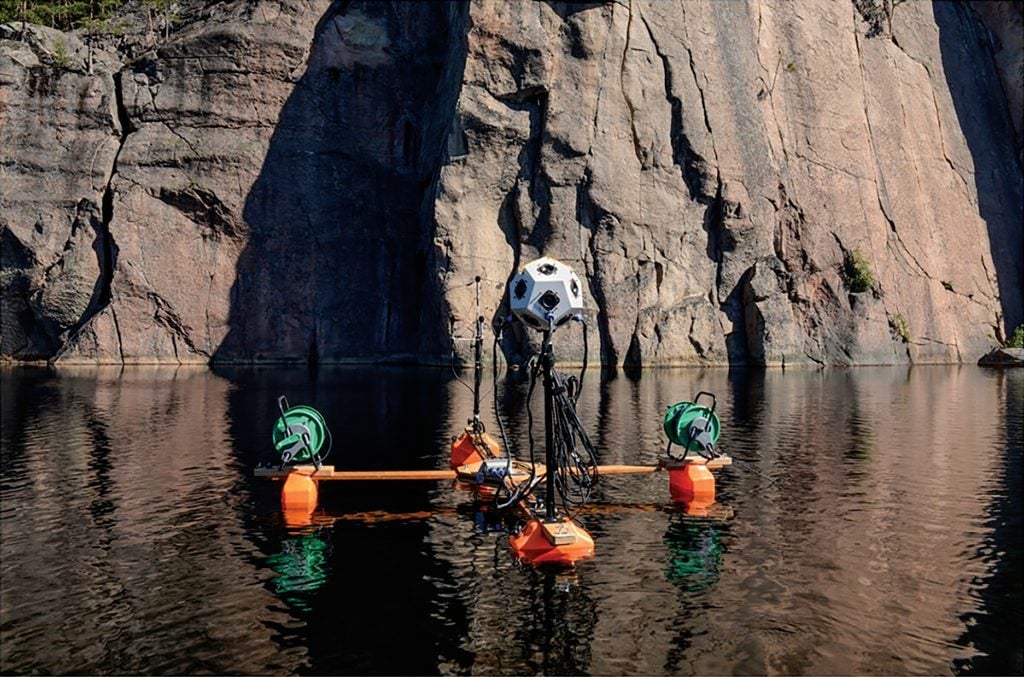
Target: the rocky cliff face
(318, 181)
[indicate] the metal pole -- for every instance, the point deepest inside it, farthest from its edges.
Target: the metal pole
(548, 362)
(478, 372)
(478, 362)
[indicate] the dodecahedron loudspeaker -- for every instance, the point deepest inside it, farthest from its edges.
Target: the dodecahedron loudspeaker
(546, 289)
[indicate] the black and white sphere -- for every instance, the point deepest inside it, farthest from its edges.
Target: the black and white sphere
(545, 289)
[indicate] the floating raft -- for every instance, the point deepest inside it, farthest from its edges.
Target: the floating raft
(468, 473)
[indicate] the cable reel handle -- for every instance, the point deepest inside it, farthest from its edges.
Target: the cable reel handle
(306, 440)
(714, 400)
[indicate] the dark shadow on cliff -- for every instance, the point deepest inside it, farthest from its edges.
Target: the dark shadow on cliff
(984, 119)
(336, 265)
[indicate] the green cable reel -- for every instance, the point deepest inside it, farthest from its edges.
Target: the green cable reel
(692, 426)
(299, 434)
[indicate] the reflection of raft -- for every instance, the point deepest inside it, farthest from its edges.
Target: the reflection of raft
(302, 568)
(696, 555)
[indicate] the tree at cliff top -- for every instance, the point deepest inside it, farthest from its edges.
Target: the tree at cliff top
(94, 18)
(62, 14)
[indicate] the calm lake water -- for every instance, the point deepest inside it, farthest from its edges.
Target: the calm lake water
(134, 539)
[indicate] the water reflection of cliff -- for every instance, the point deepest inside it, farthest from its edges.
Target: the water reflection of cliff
(137, 540)
(120, 529)
(860, 558)
(994, 627)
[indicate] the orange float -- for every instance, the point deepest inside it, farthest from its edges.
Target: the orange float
(690, 483)
(560, 542)
(473, 447)
(299, 494)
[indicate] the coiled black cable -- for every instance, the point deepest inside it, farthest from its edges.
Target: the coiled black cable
(523, 488)
(574, 473)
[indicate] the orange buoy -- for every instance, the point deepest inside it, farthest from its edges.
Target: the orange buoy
(299, 494)
(561, 542)
(690, 483)
(470, 447)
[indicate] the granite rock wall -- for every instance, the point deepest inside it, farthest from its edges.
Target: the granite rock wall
(316, 181)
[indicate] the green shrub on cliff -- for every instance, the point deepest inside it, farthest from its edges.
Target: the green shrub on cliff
(878, 15)
(899, 326)
(858, 272)
(1017, 340)
(61, 58)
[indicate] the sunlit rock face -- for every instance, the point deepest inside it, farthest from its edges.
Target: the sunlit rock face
(59, 135)
(314, 181)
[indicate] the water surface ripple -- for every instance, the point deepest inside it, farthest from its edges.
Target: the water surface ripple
(880, 534)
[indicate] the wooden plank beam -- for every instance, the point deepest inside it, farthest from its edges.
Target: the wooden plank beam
(520, 468)
(328, 472)
(712, 464)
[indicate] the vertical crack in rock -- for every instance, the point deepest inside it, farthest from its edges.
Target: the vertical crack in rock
(587, 217)
(165, 316)
(531, 169)
(110, 248)
(109, 262)
(703, 102)
(609, 356)
(903, 253)
(714, 226)
(509, 225)
(634, 356)
(106, 248)
(935, 105)
(610, 20)
(721, 241)
(942, 135)
(993, 282)
(633, 359)
(531, 176)
(625, 95)
(768, 90)
(117, 330)
(588, 220)
(693, 167)
(697, 347)
(700, 90)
